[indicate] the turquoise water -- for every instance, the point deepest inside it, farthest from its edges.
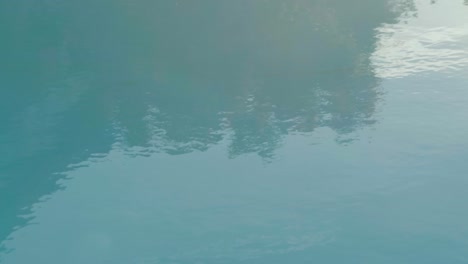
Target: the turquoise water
(267, 131)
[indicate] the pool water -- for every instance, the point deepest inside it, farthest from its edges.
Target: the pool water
(215, 131)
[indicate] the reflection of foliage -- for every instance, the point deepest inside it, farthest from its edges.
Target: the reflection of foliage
(266, 68)
(261, 69)
(285, 66)
(176, 76)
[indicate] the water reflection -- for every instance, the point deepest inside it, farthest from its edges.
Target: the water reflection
(175, 77)
(421, 47)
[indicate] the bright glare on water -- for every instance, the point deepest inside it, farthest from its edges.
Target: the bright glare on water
(234, 131)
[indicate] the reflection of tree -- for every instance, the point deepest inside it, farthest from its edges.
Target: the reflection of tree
(275, 71)
(175, 76)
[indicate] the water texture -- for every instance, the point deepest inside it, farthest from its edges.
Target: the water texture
(216, 131)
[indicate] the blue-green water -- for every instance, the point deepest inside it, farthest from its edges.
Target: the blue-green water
(215, 131)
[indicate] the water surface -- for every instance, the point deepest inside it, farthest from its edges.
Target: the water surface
(301, 131)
